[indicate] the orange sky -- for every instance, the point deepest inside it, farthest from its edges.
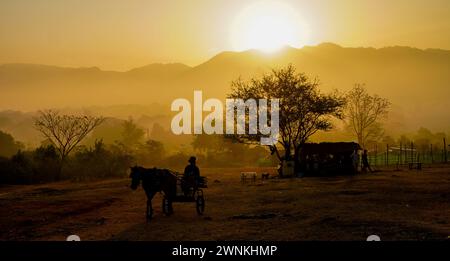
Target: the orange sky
(119, 35)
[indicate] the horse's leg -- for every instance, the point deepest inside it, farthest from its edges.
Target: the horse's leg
(167, 205)
(149, 212)
(167, 202)
(170, 192)
(170, 206)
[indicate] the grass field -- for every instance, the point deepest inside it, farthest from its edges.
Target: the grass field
(395, 205)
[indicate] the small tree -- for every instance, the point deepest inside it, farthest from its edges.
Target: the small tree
(132, 135)
(363, 114)
(207, 144)
(8, 146)
(65, 131)
(155, 151)
(303, 109)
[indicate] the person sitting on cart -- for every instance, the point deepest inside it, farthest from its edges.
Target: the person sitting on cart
(191, 175)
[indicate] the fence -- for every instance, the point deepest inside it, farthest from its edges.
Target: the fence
(400, 154)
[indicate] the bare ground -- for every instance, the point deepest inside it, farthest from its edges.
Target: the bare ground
(396, 205)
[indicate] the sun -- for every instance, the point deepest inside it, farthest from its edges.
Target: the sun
(267, 26)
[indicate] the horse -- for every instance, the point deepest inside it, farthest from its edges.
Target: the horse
(154, 180)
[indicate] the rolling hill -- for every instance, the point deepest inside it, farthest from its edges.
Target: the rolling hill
(416, 81)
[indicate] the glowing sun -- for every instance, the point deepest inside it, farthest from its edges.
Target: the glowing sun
(267, 26)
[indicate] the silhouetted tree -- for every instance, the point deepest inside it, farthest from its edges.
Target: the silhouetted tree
(65, 131)
(151, 152)
(109, 132)
(132, 135)
(45, 163)
(303, 109)
(206, 144)
(8, 146)
(363, 114)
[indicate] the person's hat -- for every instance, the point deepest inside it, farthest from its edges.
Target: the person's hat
(192, 159)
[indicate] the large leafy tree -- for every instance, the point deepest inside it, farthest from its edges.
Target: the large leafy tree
(304, 110)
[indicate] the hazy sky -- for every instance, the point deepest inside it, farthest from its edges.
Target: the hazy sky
(122, 34)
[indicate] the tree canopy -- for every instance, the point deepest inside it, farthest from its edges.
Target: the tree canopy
(304, 110)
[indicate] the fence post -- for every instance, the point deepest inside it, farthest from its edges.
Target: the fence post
(376, 154)
(400, 154)
(445, 151)
(387, 154)
(406, 154)
(431, 152)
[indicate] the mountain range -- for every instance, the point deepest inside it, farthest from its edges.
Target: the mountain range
(416, 81)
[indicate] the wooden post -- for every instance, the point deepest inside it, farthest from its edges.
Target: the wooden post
(385, 158)
(376, 154)
(431, 153)
(412, 155)
(400, 154)
(406, 154)
(387, 154)
(445, 151)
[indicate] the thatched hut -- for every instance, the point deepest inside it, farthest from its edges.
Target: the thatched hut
(329, 158)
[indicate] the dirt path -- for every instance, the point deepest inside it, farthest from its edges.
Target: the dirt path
(406, 205)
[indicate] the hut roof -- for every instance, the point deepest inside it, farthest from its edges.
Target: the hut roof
(330, 147)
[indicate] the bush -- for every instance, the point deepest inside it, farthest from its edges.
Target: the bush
(97, 162)
(17, 170)
(46, 164)
(8, 146)
(43, 165)
(176, 161)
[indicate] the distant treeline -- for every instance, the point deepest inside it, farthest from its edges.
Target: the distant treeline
(112, 160)
(43, 165)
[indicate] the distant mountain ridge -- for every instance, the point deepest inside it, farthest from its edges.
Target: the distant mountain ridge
(415, 80)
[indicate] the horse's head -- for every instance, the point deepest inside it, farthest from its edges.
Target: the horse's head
(136, 176)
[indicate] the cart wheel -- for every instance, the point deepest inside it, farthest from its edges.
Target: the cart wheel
(200, 204)
(149, 212)
(167, 207)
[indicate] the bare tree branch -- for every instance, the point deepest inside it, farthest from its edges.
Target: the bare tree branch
(363, 114)
(65, 131)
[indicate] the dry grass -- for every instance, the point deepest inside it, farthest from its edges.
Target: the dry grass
(396, 205)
